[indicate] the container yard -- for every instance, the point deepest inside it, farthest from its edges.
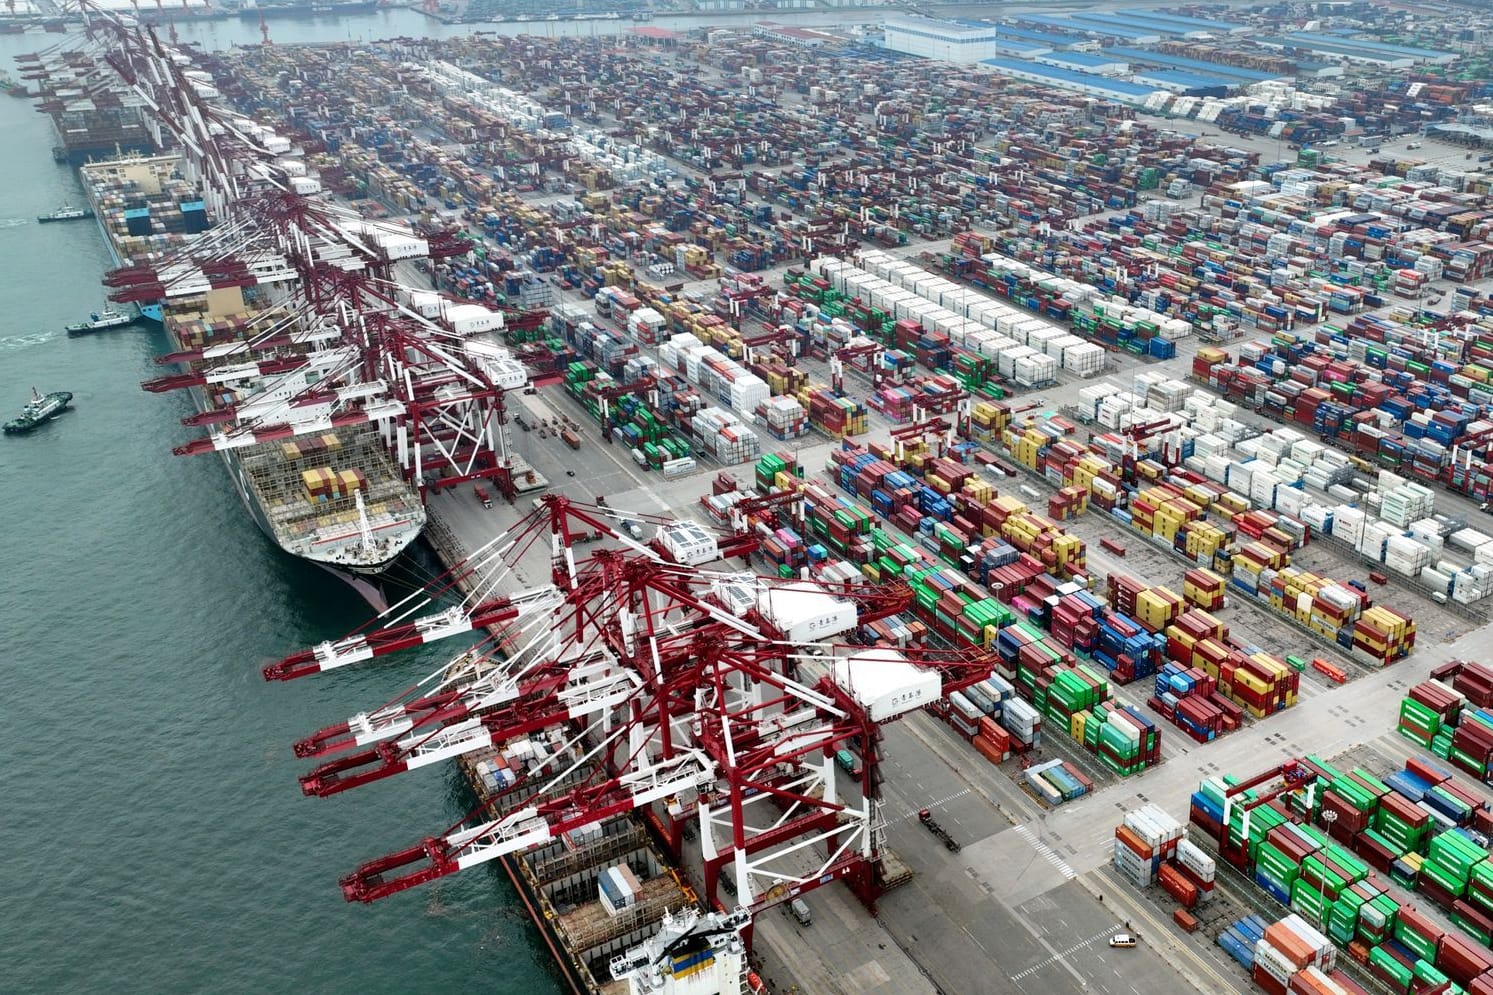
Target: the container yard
(953, 448)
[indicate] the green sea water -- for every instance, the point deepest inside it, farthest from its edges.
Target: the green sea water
(153, 837)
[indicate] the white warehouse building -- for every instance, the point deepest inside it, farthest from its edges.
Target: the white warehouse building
(947, 41)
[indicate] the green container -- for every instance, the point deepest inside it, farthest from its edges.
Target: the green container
(1418, 945)
(1440, 877)
(1428, 973)
(1387, 965)
(1393, 845)
(1307, 900)
(1471, 928)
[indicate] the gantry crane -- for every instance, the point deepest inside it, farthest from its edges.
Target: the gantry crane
(351, 347)
(1289, 776)
(781, 335)
(852, 354)
(644, 387)
(1136, 436)
(681, 693)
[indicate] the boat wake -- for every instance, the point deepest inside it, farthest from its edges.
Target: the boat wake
(15, 223)
(26, 341)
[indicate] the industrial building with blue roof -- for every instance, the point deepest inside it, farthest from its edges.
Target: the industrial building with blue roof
(1068, 79)
(1342, 50)
(1190, 23)
(1039, 37)
(1056, 23)
(1087, 62)
(1143, 55)
(1418, 54)
(1181, 81)
(1020, 49)
(1119, 27)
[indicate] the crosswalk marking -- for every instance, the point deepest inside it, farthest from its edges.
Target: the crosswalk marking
(1061, 955)
(1047, 852)
(912, 812)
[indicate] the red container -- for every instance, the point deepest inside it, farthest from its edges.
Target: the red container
(1453, 788)
(1460, 960)
(1474, 914)
(1347, 984)
(1435, 893)
(1348, 817)
(1375, 854)
(1268, 984)
(1425, 770)
(1176, 884)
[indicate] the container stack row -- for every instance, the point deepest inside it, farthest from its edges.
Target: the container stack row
(1344, 848)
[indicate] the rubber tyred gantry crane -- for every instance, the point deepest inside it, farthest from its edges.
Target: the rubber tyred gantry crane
(1286, 777)
(679, 691)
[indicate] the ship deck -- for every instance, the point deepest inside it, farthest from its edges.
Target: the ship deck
(561, 879)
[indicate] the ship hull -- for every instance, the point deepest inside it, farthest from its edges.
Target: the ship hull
(240, 478)
(307, 10)
(154, 313)
(77, 330)
(23, 425)
(535, 906)
(84, 154)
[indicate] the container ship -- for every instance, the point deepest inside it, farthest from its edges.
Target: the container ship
(594, 893)
(335, 8)
(93, 115)
(335, 497)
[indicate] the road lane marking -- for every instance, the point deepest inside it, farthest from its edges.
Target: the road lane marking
(912, 812)
(1047, 852)
(1062, 955)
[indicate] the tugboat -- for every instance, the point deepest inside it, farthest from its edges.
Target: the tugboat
(66, 213)
(41, 408)
(99, 321)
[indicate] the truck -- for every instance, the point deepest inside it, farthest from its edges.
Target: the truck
(571, 439)
(949, 842)
(848, 763)
(482, 495)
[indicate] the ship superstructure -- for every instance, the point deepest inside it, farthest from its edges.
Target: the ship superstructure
(691, 954)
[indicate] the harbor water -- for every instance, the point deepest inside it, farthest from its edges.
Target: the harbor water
(155, 838)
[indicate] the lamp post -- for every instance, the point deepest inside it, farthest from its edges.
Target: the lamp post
(1329, 817)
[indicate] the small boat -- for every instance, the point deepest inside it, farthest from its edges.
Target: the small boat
(67, 213)
(99, 321)
(41, 408)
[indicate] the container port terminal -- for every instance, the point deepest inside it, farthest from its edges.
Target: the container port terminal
(887, 498)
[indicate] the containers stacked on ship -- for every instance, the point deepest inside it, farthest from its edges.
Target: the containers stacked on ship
(595, 892)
